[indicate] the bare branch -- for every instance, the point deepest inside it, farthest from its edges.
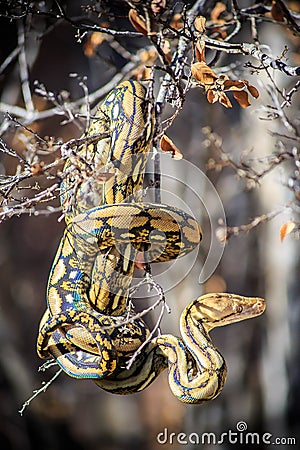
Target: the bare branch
(39, 391)
(24, 75)
(10, 58)
(33, 116)
(252, 50)
(225, 233)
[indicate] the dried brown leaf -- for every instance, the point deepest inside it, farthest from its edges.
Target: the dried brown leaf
(166, 48)
(212, 96)
(277, 12)
(200, 50)
(138, 22)
(219, 31)
(253, 91)
(167, 145)
(148, 56)
(37, 168)
(242, 98)
(286, 229)
(203, 73)
(233, 85)
(224, 100)
(199, 23)
(143, 73)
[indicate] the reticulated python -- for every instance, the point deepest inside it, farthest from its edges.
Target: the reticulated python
(89, 280)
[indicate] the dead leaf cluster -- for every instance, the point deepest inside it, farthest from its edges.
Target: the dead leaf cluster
(216, 86)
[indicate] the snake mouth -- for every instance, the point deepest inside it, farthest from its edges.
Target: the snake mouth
(260, 305)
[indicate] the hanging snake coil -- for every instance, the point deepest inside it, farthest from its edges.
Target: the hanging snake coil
(86, 326)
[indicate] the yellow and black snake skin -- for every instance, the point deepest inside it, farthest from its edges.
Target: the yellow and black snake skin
(86, 327)
(107, 239)
(197, 370)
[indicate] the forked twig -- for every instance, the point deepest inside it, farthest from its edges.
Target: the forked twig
(225, 233)
(152, 284)
(148, 280)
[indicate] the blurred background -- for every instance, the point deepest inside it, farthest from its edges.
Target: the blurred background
(260, 259)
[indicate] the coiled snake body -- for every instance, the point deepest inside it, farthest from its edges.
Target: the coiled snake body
(108, 228)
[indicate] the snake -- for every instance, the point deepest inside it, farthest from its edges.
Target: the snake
(86, 326)
(102, 242)
(196, 369)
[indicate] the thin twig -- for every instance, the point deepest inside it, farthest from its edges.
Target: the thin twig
(10, 58)
(87, 27)
(289, 95)
(252, 50)
(147, 281)
(39, 391)
(93, 97)
(5, 149)
(152, 284)
(224, 234)
(26, 205)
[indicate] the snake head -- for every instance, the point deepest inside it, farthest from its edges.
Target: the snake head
(218, 309)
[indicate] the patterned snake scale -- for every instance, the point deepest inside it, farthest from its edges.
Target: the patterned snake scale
(85, 326)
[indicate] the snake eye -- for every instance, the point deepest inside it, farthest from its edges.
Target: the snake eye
(239, 309)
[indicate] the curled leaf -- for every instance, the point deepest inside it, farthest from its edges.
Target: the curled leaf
(277, 12)
(200, 50)
(138, 22)
(212, 96)
(204, 74)
(167, 145)
(199, 23)
(218, 21)
(216, 85)
(286, 229)
(253, 91)
(242, 98)
(232, 85)
(224, 100)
